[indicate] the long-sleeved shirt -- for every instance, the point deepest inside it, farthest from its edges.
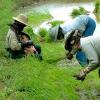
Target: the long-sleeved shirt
(79, 23)
(91, 47)
(12, 41)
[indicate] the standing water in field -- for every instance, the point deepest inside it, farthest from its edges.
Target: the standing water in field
(61, 10)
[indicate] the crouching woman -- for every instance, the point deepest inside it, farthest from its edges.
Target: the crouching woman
(16, 46)
(89, 45)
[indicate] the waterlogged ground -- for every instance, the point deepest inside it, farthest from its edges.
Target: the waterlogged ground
(61, 11)
(50, 79)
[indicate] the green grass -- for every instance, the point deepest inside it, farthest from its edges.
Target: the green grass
(42, 32)
(5, 15)
(35, 18)
(31, 79)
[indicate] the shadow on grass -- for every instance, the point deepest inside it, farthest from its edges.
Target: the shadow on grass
(54, 61)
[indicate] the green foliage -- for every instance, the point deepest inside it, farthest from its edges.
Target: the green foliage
(36, 18)
(56, 22)
(45, 35)
(97, 7)
(30, 79)
(31, 33)
(97, 10)
(42, 32)
(6, 12)
(77, 12)
(48, 39)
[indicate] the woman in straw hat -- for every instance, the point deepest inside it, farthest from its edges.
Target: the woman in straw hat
(15, 44)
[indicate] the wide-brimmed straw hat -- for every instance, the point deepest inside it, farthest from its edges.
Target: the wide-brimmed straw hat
(54, 32)
(22, 19)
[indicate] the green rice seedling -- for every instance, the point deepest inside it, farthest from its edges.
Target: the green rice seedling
(97, 7)
(48, 39)
(77, 12)
(56, 22)
(29, 30)
(35, 18)
(42, 32)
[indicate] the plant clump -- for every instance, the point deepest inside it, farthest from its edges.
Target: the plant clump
(97, 7)
(79, 11)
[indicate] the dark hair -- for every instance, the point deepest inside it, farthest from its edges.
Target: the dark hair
(68, 45)
(75, 38)
(60, 34)
(23, 33)
(13, 27)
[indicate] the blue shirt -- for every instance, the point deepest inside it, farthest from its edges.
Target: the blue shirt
(78, 23)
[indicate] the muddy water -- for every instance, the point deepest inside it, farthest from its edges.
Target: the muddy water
(60, 10)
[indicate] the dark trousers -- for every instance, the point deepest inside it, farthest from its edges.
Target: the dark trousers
(20, 53)
(38, 48)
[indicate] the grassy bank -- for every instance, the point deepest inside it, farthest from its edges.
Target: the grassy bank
(30, 79)
(6, 13)
(35, 18)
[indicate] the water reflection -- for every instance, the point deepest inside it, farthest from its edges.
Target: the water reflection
(62, 11)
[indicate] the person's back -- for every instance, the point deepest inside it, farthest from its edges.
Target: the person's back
(78, 23)
(85, 26)
(91, 47)
(12, 41)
